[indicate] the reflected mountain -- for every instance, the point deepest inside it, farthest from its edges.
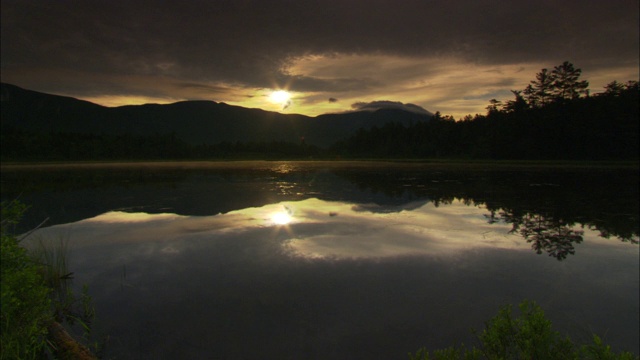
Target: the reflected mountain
(544, 206)
(385, 209)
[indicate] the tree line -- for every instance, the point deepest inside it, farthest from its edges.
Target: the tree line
(21, 145)
(553, 118)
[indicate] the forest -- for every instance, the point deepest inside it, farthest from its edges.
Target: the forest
(553, 118)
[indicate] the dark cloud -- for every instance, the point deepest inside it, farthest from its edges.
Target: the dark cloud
(385, 104)
(309, 83)
(333, 100)
(229, 39)
(250, 43)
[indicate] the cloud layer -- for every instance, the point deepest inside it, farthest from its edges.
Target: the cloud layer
(385, 104)
(441, 55)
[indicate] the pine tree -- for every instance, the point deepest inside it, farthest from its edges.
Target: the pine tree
(540, 91)
(565, 82)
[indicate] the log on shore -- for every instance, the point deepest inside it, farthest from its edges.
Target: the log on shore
(65, 346)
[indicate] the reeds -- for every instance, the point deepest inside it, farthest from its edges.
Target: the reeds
(52, 256)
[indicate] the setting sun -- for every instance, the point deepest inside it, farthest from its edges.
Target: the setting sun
(281, 97)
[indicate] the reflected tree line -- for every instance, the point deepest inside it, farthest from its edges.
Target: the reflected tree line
(544, 234)
(550, 211)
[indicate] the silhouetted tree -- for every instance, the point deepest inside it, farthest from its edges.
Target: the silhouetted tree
(494, 106)
(540, 90)
(614, 88)
(565, 82)
(518, 104)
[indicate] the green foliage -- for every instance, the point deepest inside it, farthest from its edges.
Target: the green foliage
(450, 353)
(598, 350)
(35, 292)
(529, 336)
(11, 213)
(25, 304)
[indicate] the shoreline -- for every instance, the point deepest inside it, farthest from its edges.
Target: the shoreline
(341, 163)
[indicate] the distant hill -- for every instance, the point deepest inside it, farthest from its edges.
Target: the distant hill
(196, 122)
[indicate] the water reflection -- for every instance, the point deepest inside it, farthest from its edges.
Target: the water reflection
(340, 263)
(548, 235)
(605, 200)
(281, 218)
(315, 228)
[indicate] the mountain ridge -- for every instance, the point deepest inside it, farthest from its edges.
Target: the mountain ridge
(194, 121)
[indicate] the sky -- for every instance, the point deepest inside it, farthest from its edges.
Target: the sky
(330, 56)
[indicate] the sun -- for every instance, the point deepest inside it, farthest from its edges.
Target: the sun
(280, 97)
(281, 218)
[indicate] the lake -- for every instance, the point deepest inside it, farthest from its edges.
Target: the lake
(339, 260)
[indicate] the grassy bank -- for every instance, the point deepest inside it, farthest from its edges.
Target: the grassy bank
(26, 306)
(36, 297)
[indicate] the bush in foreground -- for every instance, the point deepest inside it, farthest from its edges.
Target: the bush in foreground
(529, 336)
(25, 304)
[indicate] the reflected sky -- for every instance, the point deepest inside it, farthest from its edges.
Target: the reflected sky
(315, 228)
(331, 279)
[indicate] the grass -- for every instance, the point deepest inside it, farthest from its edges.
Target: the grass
(36, 294)
(25, 303)
(52, 256)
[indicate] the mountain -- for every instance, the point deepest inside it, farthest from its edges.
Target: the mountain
(196, 122)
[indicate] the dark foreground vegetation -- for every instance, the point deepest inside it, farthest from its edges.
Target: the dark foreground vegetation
(529, 336)
(37, 299)
(554, 118)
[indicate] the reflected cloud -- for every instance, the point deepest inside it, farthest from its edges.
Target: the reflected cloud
(125, 217)
(318, 229)
(312, 228)
(426, 230)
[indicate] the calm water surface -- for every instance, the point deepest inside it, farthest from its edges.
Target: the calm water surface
(290, 260)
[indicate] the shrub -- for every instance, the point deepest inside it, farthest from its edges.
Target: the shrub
(25, 305)
(529, 336)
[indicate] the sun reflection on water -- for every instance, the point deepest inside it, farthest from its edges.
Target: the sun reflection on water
(314, 228)
(281, 218)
